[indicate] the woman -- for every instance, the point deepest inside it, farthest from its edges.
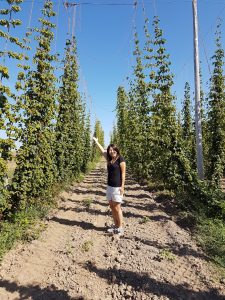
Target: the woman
(116, 167)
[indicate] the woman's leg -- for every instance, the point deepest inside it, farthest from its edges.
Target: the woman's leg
(117, 213)
(113, 212)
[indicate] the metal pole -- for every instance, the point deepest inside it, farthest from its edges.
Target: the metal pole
(198, 126)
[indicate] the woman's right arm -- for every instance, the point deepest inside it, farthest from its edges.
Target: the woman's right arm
(103, 151)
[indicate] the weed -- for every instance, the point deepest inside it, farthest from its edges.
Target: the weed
(211, 236)
(80, 177)
(144, 220)
(24, 225)
(69, 248)
(167, 254)
(87, 202)
(87, 246)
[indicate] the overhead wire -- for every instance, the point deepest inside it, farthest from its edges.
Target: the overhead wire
(79, 13)
(74, 21)
(121, 4)
(57, 25)
(133, 26)
(82, 77)
(143, 9)
(125, 39)
(68, 4)
(154, 7)
(85, 88)
(6, 40)
(29, 22)
(31, 14)
(75, 3)
(96, 3)
(205, 52)
(203, 43)
(68, 17)
(202, 38)
(146, 28)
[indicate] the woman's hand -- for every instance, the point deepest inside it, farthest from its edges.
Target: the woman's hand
(103, 151)
(121, 190)
(95, 139)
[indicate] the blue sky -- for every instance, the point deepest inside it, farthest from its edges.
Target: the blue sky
(104, 33)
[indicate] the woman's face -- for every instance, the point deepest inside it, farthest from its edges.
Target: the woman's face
(112, 152)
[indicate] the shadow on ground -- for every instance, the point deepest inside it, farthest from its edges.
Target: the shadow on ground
(82, 224)
(36, 292)
(142, 282)
(175, 248)
(106, 213)
(90, 191)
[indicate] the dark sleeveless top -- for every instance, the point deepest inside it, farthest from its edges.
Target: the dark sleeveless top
(114, 173)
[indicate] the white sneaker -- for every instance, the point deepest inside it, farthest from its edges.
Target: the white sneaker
(111, 229)
(118, 231)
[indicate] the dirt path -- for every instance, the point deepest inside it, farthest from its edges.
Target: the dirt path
(75, 259)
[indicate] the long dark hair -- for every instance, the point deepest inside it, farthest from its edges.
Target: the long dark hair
(115, 148)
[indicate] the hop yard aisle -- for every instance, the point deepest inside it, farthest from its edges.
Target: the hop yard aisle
(75, 259)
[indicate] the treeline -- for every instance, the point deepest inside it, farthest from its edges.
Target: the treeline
(158, 141)
(46, 115)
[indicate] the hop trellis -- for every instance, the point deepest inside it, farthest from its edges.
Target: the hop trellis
(158, 146)
(51, 124)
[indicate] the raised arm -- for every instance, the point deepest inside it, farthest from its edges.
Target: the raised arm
(103, 151)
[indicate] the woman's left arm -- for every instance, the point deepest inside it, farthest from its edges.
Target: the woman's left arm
(123, 174)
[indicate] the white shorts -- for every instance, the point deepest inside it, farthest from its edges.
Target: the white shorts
(113, 193)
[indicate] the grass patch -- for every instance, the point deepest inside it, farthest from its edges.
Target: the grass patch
(27, 225)
(80, 177)
(69, 248)
(23, 225)
(87, 246)
(191, 214)
(144, 220)
(167, 254)
(87, 202)
(90, 166)
(211, 237)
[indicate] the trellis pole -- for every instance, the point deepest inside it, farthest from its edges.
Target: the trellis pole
(198, 127)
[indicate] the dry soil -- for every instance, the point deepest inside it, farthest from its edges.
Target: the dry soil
(74, 258)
